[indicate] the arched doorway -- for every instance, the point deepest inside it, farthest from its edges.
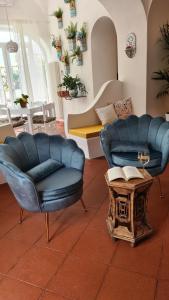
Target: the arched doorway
(104, 52)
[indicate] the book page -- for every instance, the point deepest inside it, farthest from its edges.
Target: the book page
(132, 172)
(115, 173)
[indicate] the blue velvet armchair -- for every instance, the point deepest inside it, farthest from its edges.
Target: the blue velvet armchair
(45, 173)
(123, 139)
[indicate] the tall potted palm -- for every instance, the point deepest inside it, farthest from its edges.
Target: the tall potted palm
(163, 74)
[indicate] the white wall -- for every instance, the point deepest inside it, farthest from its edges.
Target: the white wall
(89, 12)
(104, 53)
(129, 16)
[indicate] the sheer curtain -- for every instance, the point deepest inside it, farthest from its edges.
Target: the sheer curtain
(32, 61)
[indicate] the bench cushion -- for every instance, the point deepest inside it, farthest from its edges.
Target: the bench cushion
(44, 169)
(87, 132)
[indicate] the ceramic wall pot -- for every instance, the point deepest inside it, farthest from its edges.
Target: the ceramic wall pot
(73, 93)
(67, 69)
(60, 23)
(72, 44)
(83, 45)
(79, 60)
(73, 12)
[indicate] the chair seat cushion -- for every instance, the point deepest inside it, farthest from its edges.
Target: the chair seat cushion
(41, 120)
(130, 159)
(44, 169)
(62, 183)
(126, 146)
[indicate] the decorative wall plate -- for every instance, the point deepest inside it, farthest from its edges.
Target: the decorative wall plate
(131, 45)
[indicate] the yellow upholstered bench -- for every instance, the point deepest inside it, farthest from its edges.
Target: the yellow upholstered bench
(88, 138)
(86, 132)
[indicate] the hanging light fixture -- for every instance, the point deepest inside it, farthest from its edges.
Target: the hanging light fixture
(11, 46)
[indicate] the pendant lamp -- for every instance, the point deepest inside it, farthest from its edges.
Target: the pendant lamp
(11, 46)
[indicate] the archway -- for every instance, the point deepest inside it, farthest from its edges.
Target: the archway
(104, 52)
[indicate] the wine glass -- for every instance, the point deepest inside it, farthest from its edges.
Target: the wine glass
(144, 158)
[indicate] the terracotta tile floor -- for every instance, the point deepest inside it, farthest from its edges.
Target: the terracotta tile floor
(81, 262)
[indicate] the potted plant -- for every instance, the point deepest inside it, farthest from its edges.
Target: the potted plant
(77, 55)
(66, 1)
(71, 35)
(23, 100)
(57, 44)
(66, 62)
(82, 38)
(73, 85)
(59, 15)
(163, 75)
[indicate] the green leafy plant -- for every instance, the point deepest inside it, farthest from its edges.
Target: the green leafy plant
(73, 83)
(71, 31)
(58, 13)
(76, 53)
(22, 99)
(163, 75)
(82, 33)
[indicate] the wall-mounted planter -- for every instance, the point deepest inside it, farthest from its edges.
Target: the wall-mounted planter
(83, 45)
(131, 45)
(60, 23)
(67, 69)
(66, 1)
(79, 60)
(72, 8)
(72, 44)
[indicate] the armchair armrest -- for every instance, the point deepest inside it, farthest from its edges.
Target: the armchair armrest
(165, 150)
(72, 155)
(106, 142)
(21, 185)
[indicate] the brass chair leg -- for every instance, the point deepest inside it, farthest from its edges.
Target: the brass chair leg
(84, 206)
(47, 225)
(159, 182)
(21, 216)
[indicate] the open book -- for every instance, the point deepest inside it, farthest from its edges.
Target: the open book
(125, 173)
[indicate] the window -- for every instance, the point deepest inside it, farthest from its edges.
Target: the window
(16, 76)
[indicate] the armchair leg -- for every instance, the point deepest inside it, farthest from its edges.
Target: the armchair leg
(83, 205)
(159, 182)
(47, 225)
(21, 216)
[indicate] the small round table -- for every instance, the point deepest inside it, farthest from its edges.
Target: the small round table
(127, 212)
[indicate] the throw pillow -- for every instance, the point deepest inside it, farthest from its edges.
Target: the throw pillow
(123, 108)
(106, 114)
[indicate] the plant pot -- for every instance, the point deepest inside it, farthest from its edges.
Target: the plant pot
(83, 45)
(79, 60)
(60, 23)
(66, 1)
(23, 104)
(72, 44)
(167, 116)
(63, 94)
(67, 69)
(73, 12)
(130, 52)
(73, 93)
(59, 54)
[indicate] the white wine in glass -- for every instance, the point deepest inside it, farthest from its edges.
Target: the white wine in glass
(144, 158)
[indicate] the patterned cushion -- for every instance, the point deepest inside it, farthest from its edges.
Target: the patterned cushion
(123, 108)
